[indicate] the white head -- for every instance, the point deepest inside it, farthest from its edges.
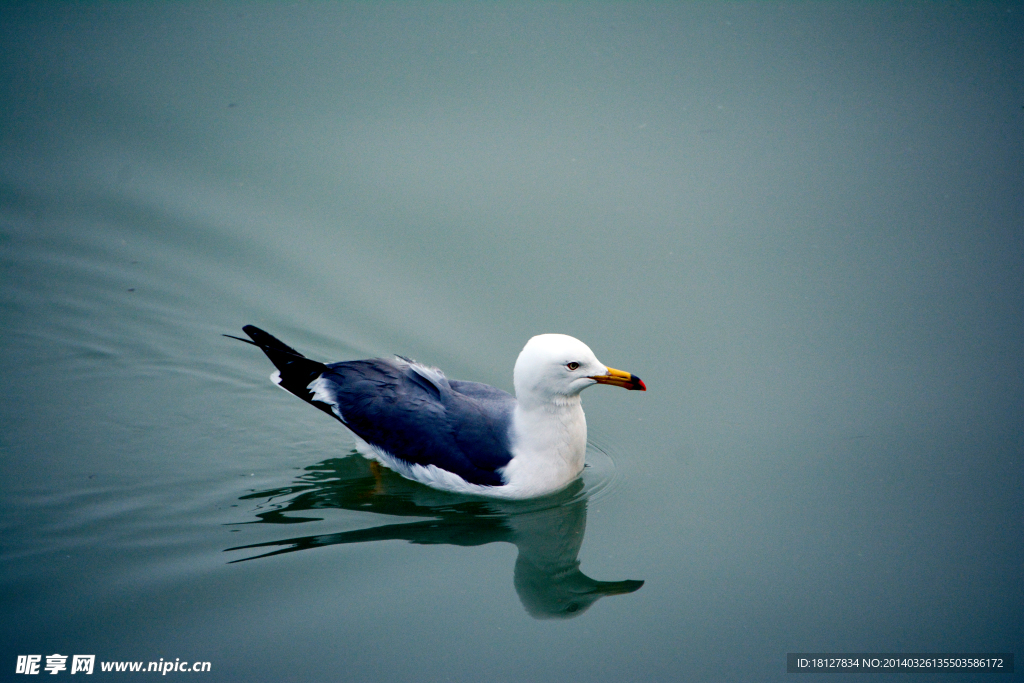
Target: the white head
(555, 368)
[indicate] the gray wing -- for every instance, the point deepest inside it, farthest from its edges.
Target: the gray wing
(416, 415)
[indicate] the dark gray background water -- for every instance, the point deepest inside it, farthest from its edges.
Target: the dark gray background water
(801, 224)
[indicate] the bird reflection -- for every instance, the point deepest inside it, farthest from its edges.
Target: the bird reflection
(548, 532)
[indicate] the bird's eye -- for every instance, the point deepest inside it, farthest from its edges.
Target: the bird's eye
(572, 365)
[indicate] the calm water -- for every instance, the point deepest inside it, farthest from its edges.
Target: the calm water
(802, 225)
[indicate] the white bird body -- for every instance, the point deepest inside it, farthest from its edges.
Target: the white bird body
(460, 436)
(549, 446)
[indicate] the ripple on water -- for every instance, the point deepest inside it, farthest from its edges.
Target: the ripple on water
(354, 483)
(600, 476)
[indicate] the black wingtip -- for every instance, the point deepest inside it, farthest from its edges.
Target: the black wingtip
(265, 341)
(296, 370)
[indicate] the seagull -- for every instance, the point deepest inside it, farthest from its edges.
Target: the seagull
(458, 436)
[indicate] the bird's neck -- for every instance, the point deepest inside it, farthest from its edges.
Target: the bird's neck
(549, 445)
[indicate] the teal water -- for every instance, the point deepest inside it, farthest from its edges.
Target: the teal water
(801, 224)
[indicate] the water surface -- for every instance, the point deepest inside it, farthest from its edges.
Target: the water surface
(801, 224)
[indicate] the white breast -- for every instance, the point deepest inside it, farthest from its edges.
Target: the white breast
(549, 445)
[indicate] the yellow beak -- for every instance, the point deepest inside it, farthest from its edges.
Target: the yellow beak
(618, 378)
